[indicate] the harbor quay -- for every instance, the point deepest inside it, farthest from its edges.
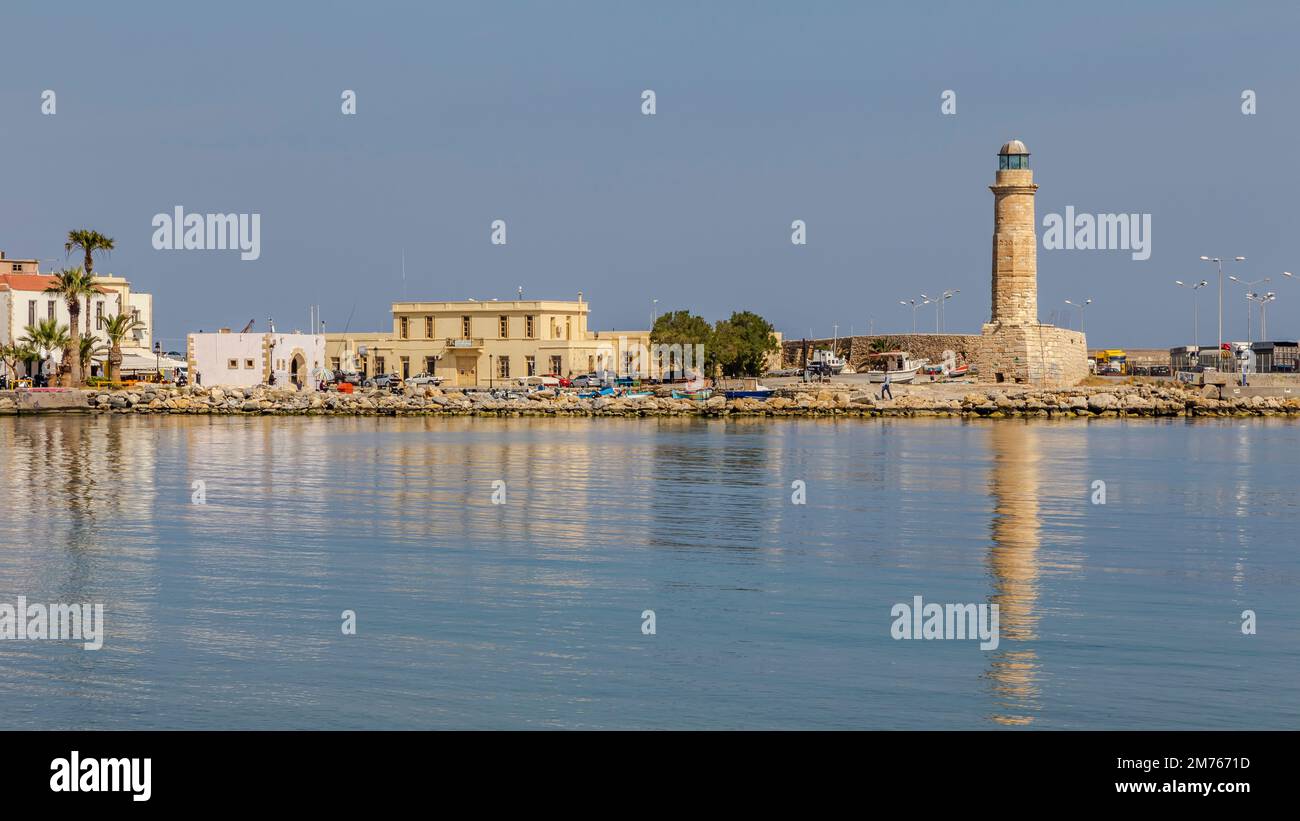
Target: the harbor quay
(968, 400)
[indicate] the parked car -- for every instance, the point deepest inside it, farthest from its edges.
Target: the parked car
(350, 377)
(383, 380)
(424, 379)
(587, 380)
(564, 381)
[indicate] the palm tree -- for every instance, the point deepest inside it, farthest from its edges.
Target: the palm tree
(91, 349)
(118, 328)
(11, 355)
(72, 284)
(46, 335)
(89, 243)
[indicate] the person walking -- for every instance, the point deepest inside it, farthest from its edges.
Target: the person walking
(884, 388)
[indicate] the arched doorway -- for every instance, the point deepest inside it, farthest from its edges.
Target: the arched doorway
(298, 369)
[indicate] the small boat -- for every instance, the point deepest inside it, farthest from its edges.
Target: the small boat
(898, 365)
(759, 392)
(959, 372)
(637, 394)
(698, 396)
(594, 394)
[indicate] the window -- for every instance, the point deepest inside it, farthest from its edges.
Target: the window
(428, 327)
(232, 364)
(31, 312)
(17, 266)
(555, 365)
(248, 363)
(503, 367)
(379, 365)
(406, 327)
(406, 367)
(464, 327)
(99, 316)
(530, 326)
(430, 365)
(530, 364)
(503, 325)
(334, 363)
(49, 309)
(568, 327)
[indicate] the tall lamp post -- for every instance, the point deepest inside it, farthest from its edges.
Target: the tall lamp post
(1080, 305)
(1249, 295)
(1219, 262)
(1196, 312)
(1263, 300)
(943, 306)
(914, 305)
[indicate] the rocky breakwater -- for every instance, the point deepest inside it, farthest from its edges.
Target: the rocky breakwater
(1090, 402)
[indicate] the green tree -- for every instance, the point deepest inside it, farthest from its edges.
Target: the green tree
(91, 349)
(742, 344)
(685, 329)
(45, 336)
(89, 243)
(12, 355)
(118, 328)
(71, 284)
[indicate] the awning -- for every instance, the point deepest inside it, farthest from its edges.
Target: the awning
(144, 362)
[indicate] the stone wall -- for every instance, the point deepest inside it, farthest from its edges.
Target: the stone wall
(857, 349)
(1042, 355)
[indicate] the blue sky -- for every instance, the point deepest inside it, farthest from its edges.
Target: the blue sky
(767, 113)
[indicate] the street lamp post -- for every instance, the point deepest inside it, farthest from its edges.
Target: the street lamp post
(1196, 312)
(1080, 305)
(914, 305)
(943, 305)
(1262, 300)
(1249, 298)
(1219, 262)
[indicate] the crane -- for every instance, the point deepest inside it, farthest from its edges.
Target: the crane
(248, 327)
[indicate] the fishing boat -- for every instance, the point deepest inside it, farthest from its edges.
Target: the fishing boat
(959, 372)
(594, 394)
(897, 365)
(825, 361)
(637, 394)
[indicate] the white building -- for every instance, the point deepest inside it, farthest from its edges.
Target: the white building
(244, 360)
(23, 302)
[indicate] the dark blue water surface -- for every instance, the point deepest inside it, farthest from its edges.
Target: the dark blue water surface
(768, 614)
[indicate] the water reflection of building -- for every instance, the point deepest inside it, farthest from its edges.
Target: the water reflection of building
(1015, 565)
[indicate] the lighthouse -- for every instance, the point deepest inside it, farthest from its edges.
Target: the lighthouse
(1014, 346)
(1015, 238)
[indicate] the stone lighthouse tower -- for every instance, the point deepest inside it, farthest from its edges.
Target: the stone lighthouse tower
(1014, 346)
(1015, 239)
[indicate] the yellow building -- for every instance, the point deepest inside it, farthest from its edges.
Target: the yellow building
(472, 342)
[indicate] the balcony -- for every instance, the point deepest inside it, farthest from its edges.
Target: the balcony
(465, 343)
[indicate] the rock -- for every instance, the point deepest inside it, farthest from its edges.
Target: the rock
(1101, 402)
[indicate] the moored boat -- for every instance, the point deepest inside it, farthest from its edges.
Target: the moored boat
(897, 365)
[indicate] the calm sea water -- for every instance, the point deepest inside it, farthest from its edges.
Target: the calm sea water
(768, 614)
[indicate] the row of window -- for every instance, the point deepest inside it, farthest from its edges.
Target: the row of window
(49, 312)
(233, 364)
(503, 327)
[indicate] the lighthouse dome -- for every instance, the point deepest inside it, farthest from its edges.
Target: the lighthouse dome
(1013, 156)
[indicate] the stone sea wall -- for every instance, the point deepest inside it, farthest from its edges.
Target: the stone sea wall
(857, 349)
(802, 401)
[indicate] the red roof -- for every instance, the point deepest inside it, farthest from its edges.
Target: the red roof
(31, 282)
